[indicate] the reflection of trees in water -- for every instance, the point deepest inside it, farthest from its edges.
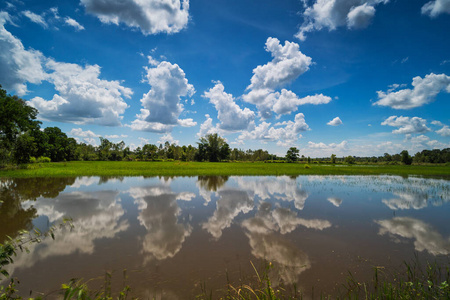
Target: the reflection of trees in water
(212, 183)
(424, 235)
(13, 217)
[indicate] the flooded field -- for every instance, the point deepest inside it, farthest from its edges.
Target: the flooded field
(178, 236)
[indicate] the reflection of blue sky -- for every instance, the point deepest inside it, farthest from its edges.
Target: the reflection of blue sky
(426, 238)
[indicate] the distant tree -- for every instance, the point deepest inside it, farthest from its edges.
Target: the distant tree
(349, 160)
(333, 158)
(406, 158)
(292, 154)
(23, 147)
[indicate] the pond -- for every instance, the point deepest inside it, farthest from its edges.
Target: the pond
(177, 236)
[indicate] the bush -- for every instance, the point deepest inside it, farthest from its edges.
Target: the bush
(44, 159)
(33, 160)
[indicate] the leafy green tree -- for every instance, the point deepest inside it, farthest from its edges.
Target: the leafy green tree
(406, 158)
(58, 144)
(213, 148)
(23, 148)
(292, 154)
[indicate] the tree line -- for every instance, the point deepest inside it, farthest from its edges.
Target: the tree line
(22, 140)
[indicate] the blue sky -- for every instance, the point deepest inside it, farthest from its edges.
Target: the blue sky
(349, 77)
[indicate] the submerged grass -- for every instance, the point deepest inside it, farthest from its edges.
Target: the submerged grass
(139, 168)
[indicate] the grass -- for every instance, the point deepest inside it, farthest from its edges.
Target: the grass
(138, 168)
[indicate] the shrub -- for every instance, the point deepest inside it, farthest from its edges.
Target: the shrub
(44, 159)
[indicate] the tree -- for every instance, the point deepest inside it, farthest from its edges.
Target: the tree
(16, 117)
(333, 158)
(292, 154)
(349, 160)
(213, 148)
(406, 158)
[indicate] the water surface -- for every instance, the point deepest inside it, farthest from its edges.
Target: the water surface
(177, 234)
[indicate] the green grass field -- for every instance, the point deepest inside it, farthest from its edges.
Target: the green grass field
(139, 168)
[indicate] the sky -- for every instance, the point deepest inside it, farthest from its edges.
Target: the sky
(344, 77)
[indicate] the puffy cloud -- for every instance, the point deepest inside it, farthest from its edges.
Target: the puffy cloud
(151, 17)
(444, 131)
(436, 7)
(332, 14)
(161, 104)
(424, 91)
(283, 188)
(360, 16)
(83, 97)
(288, 221)
(407, 200)
(424, 235)
(287, 64)
(159, 215)
(287, 101)
(71, 22)
(232, 117)
(85, 134)
(229, 205)
(285, 133)
(407, 125)
(96, 216)
(335, 122)
(332, 146)
(35, 18)
(167, 138)
(207, 127)
(17, 65)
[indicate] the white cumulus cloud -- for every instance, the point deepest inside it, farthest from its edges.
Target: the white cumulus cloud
(331, 14)
(407, 125)
(83, 97)
(232, 117)
(424, 91)
(151, 17)
(161, 105)
(335, 122)
(17, 65)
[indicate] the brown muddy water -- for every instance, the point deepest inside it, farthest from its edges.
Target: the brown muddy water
(176, 236)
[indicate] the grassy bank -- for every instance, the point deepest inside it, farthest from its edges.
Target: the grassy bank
(136, 168)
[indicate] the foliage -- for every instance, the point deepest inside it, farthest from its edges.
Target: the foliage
(406, 158)
(333, 158)
(349, 160)
(292, 154)
(213, 148)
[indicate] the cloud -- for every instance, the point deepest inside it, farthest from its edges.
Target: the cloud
(407, 125)
(159, 213)
(331, 14)
(232, 117)
(167, 138)
(161, 105)
(80, 133)
(35, 18)
(83, 97)
(288, 102)
(230, 204)
(407, 200)
(425, 236)
(444, 131)
(285, 133)
(151, 17)
(435, 8)
(335, 201)
(71, 22)
(424, 91)
(335, 122)
(287, 64)
(17, 65)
